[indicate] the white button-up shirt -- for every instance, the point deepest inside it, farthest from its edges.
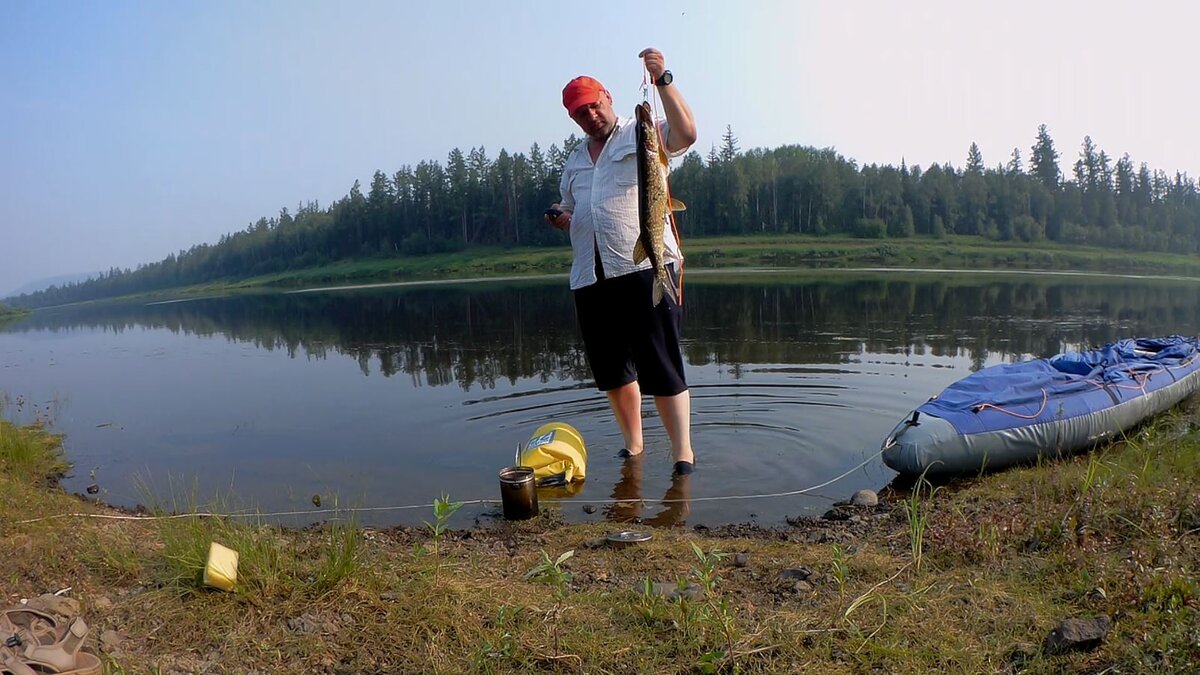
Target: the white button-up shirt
(603, 201)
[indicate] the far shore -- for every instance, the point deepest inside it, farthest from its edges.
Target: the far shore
(731, 255)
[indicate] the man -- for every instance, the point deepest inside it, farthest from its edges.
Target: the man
(632, 346)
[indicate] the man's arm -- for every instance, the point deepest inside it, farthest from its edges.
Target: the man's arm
(559, 214)
(682, 126)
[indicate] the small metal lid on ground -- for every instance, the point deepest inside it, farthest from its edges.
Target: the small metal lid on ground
(627, 537)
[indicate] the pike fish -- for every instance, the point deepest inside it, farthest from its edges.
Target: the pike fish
(654, 203)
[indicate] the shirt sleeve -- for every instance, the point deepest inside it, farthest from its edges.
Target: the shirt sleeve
(566, 200)
(664, 128)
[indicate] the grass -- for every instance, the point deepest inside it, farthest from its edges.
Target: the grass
(11, 313)
(1004, 557)
(30, 454)
(916, 512)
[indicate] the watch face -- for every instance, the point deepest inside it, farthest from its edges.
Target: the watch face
(666, 78)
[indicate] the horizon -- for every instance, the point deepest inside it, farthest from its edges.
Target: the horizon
(143, 130)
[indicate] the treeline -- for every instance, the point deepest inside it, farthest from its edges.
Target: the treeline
(800, 189)
(474, 199)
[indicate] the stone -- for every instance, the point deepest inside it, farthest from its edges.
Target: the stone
(672, 591)
(1077, 635)
(110, 640)
(1020, 655)
(306, 624)
(797, 573)
(740, 559)
(865, 498)
(56, 604)
(836, 513)
(589, 508)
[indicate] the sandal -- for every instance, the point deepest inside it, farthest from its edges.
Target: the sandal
(87, 663)
(35, 643)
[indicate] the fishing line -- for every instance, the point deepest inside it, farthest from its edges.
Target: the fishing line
(648, 86)
(471, 502)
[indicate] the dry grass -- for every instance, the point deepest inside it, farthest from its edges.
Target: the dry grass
(1005, 558)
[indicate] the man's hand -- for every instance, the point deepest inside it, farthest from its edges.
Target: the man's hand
(655, 63)
(558, 218)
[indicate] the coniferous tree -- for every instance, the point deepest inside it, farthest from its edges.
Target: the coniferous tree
(974, 159)
(1043, 160)
(1013, 168)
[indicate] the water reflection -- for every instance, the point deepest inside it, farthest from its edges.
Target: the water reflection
(629, 502)
(485, 336)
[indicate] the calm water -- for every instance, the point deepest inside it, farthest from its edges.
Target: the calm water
(390, 396)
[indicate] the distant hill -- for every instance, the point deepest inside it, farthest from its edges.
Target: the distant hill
(43, 284)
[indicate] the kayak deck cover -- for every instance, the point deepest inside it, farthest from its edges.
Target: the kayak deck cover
(1014, 413)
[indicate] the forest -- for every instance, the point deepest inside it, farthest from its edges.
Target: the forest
(472, 199)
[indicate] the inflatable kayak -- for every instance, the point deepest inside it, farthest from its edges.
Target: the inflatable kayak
(1015, 413)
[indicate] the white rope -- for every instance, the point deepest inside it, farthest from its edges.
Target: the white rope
(371, 509)
(723, 497)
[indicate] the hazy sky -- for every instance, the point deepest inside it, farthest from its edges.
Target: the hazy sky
(129, 130)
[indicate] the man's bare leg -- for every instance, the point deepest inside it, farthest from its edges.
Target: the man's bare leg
(626, 404)
(676, 414)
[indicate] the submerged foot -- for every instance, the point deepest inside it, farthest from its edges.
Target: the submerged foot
(626, 454)
(683, 468)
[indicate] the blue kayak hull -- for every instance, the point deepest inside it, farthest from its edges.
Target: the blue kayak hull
(1017, 413)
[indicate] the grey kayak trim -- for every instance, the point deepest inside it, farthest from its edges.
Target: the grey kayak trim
(933, 446)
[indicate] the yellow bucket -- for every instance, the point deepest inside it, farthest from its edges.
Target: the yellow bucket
(556, 453)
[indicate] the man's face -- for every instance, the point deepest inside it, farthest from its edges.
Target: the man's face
(596, 119)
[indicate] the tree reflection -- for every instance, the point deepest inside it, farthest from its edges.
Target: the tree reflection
(482, 336)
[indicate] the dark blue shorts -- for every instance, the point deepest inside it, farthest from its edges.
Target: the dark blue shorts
(627, 338)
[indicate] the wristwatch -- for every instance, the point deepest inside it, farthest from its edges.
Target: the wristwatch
(664, 79)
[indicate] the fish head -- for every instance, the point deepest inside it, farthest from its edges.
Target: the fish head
(645, 119)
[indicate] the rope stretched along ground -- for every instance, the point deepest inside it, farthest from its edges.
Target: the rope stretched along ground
(369, 509)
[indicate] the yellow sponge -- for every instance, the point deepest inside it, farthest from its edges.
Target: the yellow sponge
(221, 569)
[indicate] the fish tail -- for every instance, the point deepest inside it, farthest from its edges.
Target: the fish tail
(663, 286)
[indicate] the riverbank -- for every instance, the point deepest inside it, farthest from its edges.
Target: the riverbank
(790, 252)
(970, 577)
(10, 313)
(779, 252)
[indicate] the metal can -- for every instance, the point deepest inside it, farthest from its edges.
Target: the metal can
(518, 493)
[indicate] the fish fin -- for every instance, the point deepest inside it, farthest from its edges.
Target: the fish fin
(667, 286)
(677, 205)
(639, 251)
(664, 286)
